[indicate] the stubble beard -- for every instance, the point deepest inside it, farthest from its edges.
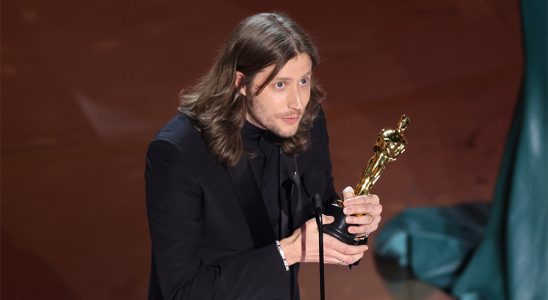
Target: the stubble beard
(276, 126)
(287, 133)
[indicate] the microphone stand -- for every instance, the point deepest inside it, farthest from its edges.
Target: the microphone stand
(314, 184)
(319, 221)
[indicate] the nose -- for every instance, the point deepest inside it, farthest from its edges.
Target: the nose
(295, 99)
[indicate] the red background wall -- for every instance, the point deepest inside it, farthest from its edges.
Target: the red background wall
(85, 85)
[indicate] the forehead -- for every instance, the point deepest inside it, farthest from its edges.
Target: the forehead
(294, 68)
(298, 66)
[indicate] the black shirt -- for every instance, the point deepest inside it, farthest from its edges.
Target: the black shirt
(263, 150)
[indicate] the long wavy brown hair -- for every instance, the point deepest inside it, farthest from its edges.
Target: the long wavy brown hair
(215, 104)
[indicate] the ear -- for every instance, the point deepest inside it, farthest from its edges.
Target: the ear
(239, 77)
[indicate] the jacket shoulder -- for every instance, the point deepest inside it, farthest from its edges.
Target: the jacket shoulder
(181, 132)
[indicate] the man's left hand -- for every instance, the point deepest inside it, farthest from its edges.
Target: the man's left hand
(362, 211)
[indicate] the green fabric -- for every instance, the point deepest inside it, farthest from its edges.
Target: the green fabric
(510, 261)
(433, 242)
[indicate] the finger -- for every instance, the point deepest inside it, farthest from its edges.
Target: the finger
(364, 199)
(364, 219)
(359, 200)
(362, 230)
(374, 198)
(356, 257)
(339, 262)
(342, 259)
(372, 209)
(334, 261)
(334, 258)
(348, 192)
(335, 246)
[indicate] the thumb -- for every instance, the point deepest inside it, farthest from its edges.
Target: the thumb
(348, 193)
(327, 219)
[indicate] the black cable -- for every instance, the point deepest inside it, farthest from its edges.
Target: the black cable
(320, 242)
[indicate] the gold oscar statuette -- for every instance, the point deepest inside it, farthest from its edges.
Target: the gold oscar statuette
(390, 144)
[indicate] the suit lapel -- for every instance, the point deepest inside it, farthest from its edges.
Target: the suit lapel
(251, 203)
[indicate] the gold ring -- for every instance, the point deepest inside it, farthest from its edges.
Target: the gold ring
(372, 219)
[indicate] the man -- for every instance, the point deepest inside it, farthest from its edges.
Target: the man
(227, 214)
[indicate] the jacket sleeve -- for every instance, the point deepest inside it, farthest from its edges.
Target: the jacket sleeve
(174, 206)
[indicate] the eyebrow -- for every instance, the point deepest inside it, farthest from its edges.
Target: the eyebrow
(289, 78)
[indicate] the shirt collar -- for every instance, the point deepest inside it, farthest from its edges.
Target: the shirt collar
(254, 137)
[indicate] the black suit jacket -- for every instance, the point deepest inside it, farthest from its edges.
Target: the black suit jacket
(202, 246)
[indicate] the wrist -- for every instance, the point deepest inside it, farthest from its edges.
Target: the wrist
(291, 249)
(282, 254)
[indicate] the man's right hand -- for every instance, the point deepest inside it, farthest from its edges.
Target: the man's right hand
(302, 246)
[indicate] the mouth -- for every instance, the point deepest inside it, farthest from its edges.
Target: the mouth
(291, 119)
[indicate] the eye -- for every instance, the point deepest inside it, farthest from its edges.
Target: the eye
(279, 85)
(304, 81)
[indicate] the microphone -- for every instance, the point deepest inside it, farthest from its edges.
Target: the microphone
(314, 185)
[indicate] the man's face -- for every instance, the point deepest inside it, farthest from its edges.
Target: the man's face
(281, 104)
